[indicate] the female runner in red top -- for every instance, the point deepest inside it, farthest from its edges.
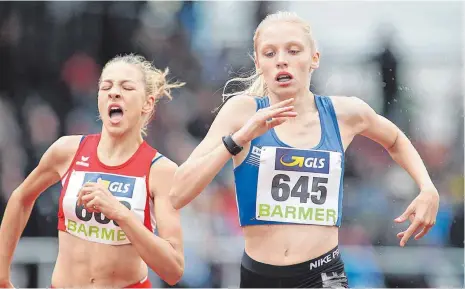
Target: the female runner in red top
(115, 186)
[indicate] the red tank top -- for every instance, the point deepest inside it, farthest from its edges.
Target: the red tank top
(127, 182)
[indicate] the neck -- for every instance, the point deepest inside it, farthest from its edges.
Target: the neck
(115, 150)
(304, 101)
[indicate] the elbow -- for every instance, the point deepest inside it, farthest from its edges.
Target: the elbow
(183, 190)
(397, 144)
(175, 190)
(174, 278)
(175, 274)
(20, 199)
(175, 198)
(181, 194)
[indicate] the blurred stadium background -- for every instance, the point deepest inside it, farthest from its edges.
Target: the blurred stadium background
(403, 58)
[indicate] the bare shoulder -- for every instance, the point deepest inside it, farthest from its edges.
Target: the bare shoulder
(237, 110)
(353, 113)
(161, 176)
(163, 165)
(349, 105)
(66, 145)
(62, 149)
(351, 108)
(61, 153)
(240, 101)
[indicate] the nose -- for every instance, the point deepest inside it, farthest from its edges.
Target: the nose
(114, 93)
(281, 61)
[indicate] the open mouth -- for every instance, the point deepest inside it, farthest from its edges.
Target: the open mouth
(283, 77)
(115, 112)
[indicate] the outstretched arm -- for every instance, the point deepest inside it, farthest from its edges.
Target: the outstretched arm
(55, 160)
(423, 209)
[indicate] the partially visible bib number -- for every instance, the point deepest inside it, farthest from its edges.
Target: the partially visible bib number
(299, 186)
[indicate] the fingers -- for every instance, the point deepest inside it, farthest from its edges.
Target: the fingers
(407, 234)
(275, 122)
(89, 201)
(283, 103)
(87, 197)
(402, 218)
(423, 232)
(84, 191)
(88, 188)
(401, 234)
(420, 235)
(283, 111)
(279, 116)
(286, 114)
(93, 205)
(412, 217)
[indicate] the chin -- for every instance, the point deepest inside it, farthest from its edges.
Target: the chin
(285, 92)
(115, 130)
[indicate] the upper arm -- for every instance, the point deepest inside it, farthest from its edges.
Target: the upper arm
(365, 121)
(230, 118)
(167, 217)
(52, 165)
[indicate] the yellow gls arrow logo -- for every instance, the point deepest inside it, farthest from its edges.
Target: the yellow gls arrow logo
(105, 183)
(296, 161)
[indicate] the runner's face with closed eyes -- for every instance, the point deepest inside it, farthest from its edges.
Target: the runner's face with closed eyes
(121, 97)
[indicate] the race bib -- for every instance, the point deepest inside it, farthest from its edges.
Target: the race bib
(129, 191)
(299, 186)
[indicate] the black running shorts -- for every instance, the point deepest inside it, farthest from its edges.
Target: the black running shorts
(326, 271)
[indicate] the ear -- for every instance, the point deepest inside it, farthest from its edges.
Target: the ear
(315, 61)
(148, 104)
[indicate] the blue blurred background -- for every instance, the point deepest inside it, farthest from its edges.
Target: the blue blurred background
(403, 58)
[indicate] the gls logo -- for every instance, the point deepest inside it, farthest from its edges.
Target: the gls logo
(302, 160)
(119, 186)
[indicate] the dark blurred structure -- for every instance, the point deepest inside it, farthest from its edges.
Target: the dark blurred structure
(387, 61)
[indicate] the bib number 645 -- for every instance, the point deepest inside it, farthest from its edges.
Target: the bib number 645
(281, 190)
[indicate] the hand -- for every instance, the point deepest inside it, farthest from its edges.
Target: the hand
(96, 198)
(263, 120)
(421, 213)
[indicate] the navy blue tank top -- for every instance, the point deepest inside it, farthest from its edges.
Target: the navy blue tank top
(246, 174)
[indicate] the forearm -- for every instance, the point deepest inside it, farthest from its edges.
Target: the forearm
(193, 176)
(14, 221)
(156, 252)
(405, 154)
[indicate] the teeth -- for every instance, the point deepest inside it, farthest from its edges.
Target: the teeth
(114, 110)
(283, 77)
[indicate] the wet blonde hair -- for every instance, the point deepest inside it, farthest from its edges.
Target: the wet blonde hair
(255, 83)
(156, 82)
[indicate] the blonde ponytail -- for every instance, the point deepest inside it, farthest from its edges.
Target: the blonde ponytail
(157, 82)
(255, 84)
